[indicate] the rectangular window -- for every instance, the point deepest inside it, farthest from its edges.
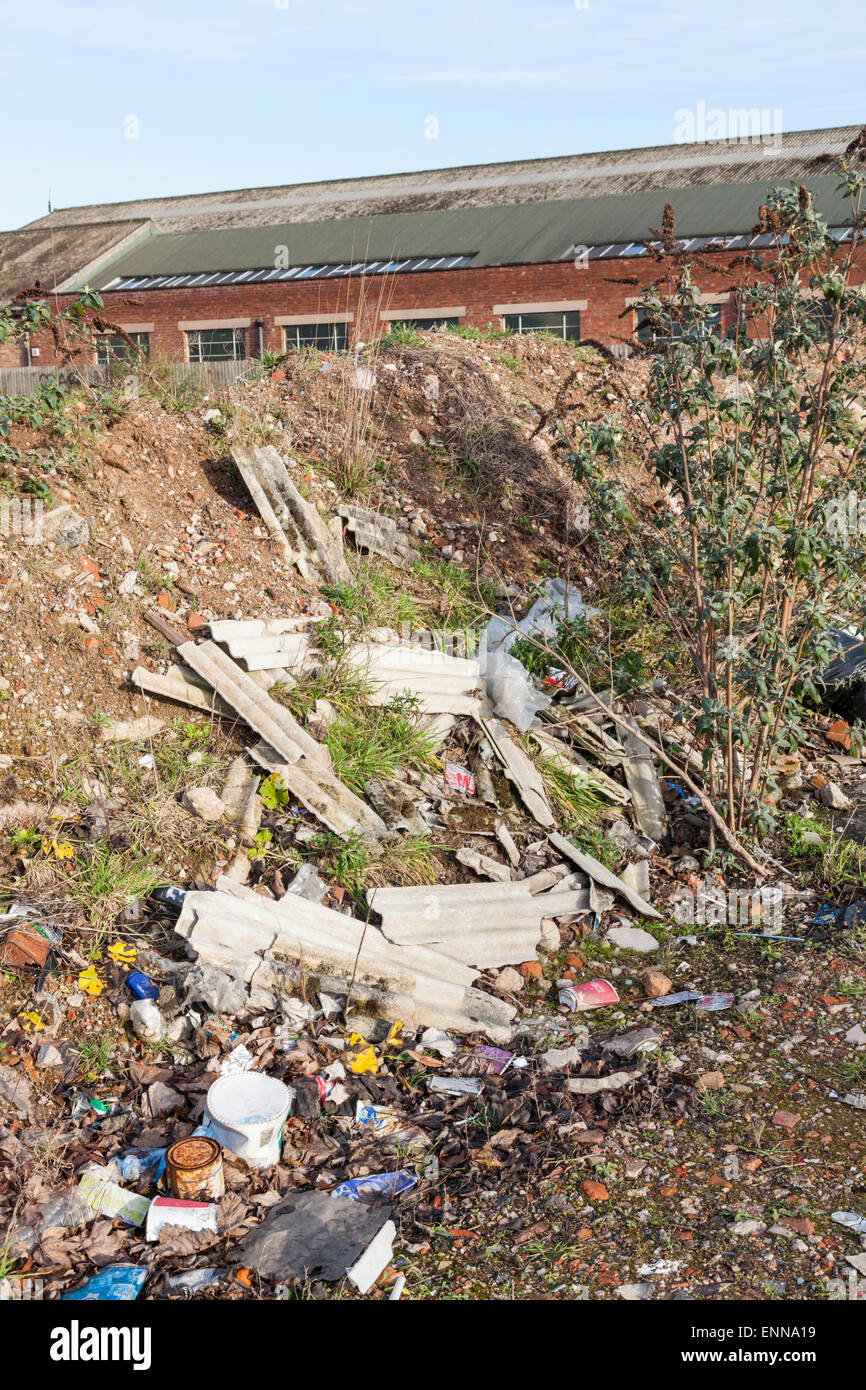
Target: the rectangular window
(216, 344)
(423, 323)
(329, 337)
(562, 324)
(649, 330)
(114, 348)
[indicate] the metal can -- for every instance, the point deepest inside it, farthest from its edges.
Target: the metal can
(194, 1168)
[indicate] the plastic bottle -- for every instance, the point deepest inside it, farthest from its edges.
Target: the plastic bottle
(147, 1021)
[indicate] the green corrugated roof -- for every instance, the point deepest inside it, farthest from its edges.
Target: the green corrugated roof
(516, 234)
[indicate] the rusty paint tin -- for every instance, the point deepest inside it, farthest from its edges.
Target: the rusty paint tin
(194, 1168)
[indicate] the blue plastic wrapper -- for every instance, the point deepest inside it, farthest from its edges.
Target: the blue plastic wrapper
(140, 986)
(378, 1185)
(116, 1284)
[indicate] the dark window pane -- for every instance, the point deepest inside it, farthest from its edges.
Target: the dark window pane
(423, 323)
(114, 348)
(563, 325)
(325, 336)
(216, 344)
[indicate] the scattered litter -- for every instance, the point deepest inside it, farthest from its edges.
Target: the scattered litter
(106, 1196)
(851, 1220)
(194, 1168)
(456, 1085)
(140, 986)
(116, 1284)
(460, 777)
(683, 996)
(174, 1211)
(375, 1259)
(594, 994)
(713, 1003)
(312, 1235)
(376, 1186)
(245, 1113)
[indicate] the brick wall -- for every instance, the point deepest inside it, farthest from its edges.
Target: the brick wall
(605, 285)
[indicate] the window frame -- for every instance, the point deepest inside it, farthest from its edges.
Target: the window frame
(562, 314)
(335, 328)
(239, 340)
(106, 356)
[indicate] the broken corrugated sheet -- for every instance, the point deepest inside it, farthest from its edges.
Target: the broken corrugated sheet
(601, 875)
(643, 783)
(240, 796)
(306, 539)
(520, 770)
(175, 686)
(323, 794)
(269, 652)
(483, 924)
(442, 683)
(273, 945)
(557, 752)
(269, 719)
(378, 534)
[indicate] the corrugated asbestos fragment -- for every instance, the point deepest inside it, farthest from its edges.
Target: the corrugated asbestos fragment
(293, 522)
(272, 944)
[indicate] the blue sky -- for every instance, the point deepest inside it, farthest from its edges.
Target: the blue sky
(237, 93)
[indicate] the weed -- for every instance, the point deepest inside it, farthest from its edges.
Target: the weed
(373, 599)
(104, 881)
(577, 804)
(379, 742)
(94, 1058)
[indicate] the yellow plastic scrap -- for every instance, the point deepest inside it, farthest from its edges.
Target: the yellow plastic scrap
(121, 953)
(395, 1036)
(61, 849)
(362, 1059)
(90, 982)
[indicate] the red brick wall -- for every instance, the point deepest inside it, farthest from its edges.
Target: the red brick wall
(604, 284)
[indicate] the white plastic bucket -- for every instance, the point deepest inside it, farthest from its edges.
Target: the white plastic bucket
(246, 1113)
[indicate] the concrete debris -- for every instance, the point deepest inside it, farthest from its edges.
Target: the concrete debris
(378, 535)
(240, 798)
(276, 945)
(555, 751)
(631, 939)
(294, 523)
(483, 865)
(510, 981)
(600, 874)
(520, 770)
(266, 651)
(64, 527)
(175, 686)
(204, 803)
(592, 1085)
(503, 835)
(443, 684)
(139, 730)
(832, 796)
